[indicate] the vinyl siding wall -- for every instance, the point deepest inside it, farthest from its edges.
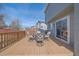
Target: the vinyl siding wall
(53, 10)
(76, 29)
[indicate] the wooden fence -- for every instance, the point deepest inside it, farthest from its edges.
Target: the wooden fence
(10, 37)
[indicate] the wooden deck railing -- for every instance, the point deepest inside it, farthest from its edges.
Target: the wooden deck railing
(10, 37)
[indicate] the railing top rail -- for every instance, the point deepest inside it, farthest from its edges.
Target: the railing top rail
(10, 31)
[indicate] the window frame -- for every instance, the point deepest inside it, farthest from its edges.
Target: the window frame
(68, 28)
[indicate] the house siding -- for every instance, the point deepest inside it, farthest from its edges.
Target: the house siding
(71, 29)
(54, 10)
(76, 29)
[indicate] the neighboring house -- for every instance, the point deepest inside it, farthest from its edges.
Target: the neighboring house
(63, 20)
(41, 25)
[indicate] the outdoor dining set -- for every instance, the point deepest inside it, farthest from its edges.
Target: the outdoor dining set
(40, 35)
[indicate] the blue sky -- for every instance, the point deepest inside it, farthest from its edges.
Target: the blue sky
(28, 13)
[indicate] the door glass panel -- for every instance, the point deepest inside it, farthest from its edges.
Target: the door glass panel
(61, 29)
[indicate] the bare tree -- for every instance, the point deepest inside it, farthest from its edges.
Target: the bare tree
(2, 23)
(16, 25)
(1, 7)
(2, 16)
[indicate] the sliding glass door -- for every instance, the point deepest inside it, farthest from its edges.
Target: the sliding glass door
(62, 29)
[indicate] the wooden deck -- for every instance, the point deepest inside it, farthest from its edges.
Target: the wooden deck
(26, 48)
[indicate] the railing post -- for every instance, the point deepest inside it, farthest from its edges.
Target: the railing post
(17, 36)
(0, 41)
(5, 40)
(10, 41)
(13, 38)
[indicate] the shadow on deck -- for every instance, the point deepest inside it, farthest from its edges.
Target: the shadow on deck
(60, 43)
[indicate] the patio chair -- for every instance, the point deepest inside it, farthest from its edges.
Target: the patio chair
(47, 35)
(39, 38)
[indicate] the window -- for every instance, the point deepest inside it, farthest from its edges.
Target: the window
(62, 29)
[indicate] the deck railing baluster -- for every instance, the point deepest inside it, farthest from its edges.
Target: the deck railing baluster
(0, 41)
(10, 37)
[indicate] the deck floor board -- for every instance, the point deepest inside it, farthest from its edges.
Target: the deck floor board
(26, 48)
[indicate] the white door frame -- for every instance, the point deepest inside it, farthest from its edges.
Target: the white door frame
(53, 24)
(68, 28)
